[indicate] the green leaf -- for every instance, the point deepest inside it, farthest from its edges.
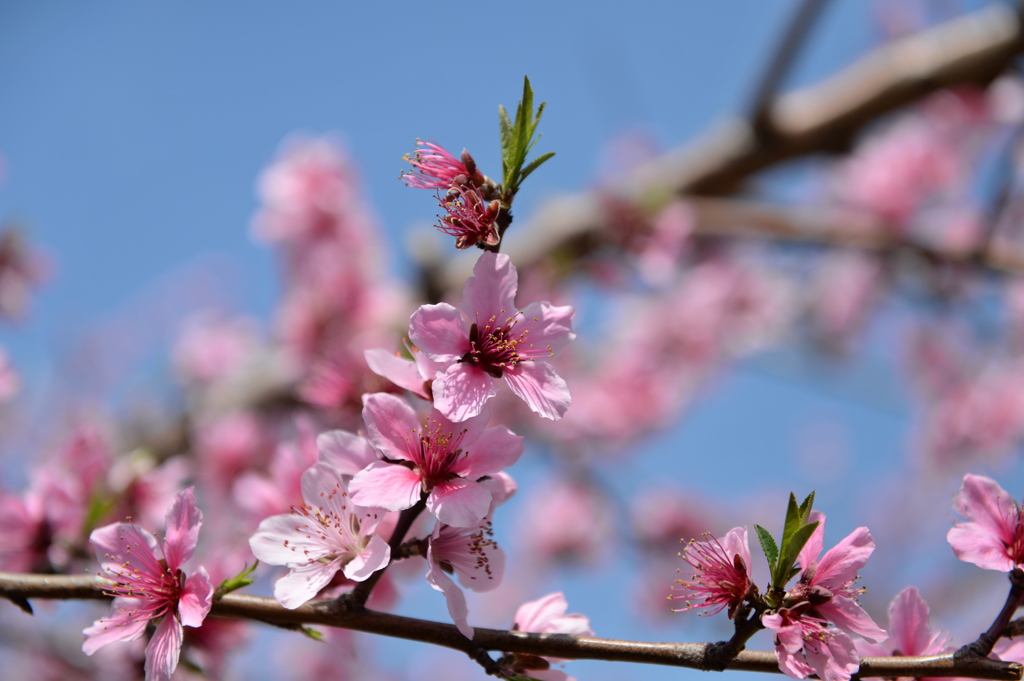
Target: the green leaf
(792, 521)
(791, 551)
(771, 551)
(534, 164)
(312, 633)
(805, 508)
(242, 579)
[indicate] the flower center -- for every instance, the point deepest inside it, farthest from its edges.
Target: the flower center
(438, 453)
(495, 348)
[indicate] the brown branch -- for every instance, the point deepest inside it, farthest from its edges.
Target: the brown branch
(326, 613)
(822, 118)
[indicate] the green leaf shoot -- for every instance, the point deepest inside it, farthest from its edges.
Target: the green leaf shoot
(771, 550)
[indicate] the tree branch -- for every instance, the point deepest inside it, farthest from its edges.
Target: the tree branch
(822, 118)
(22, 587)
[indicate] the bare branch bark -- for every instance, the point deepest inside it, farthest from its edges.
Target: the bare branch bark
(822, 118)
(20, 587)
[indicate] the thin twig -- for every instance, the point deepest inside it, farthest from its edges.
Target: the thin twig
(690, 655)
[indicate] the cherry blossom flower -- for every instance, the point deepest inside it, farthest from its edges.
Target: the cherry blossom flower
(438, 458)
(491, 339)
(993, 536)
(545, 616)
(473, 556)
(909, 630)
(471, 218)
(149, 585)
(326, 534)
(828, 583)
(434, 168)
(827, 651)
(721, 573)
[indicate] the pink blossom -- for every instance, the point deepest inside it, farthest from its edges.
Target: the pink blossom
(416, 375)
(436, 458)
(212, 347)
(473, 556)
(721, 573)
(434, 168)
(566, 520)
(471, 218)
(828, 583)
(545, 616)
(909, 630)
(150, 585)
(827, 651)
(491, 339)
(326, 534)
(21, 270)
(993, 536)
(10, 381)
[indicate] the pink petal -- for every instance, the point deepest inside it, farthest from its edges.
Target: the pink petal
(304, 582)
(496, 449)
(846, 614)
(788, 636)
(548, 325)
(735, 543)
(439, 331)
(285, 540)
(122, 543)
(791, 664)
(183, 523)
(402, 372)
(391, 425)
(196, 598)
(374, 557)
(543, 390)
(163, 650)
(984, 502)
(461, 391)
(835, 659)
(502, 487)
(491, 291)
(974, 543)
(453, 596)
(908, 623)
(812, 549)
(346, 452)
(459, 502)
(537, 615)
(118, 625)
(386, 485)
(840, 564)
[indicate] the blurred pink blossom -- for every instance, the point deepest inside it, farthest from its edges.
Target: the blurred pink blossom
(910, 633)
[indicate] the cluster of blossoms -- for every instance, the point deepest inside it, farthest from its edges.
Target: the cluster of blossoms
(471, 200)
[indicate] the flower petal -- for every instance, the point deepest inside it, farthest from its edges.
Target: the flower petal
(402, 372)
(974, 543)
(840, 564)
(459, 502)
(391, 425)
(496, 449)
(124, 547)
(196, 598)
(453, 596)
(183, 523)
(549, 328)
(374, 557)
(386, 485)
(440, 332)
(543, 390)
(346, 452)
(304, 582)
(847, 614)
(288, 540)
(491, 291)
(461, 391)
(163, 649)
(118, 625)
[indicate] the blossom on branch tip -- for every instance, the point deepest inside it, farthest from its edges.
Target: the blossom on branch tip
(993, 536)
(471, 219)
(434, 168)
(326, 534)
(721, 573)
(489, 339)
(909, 630)
(437, 458)
(149, 585)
